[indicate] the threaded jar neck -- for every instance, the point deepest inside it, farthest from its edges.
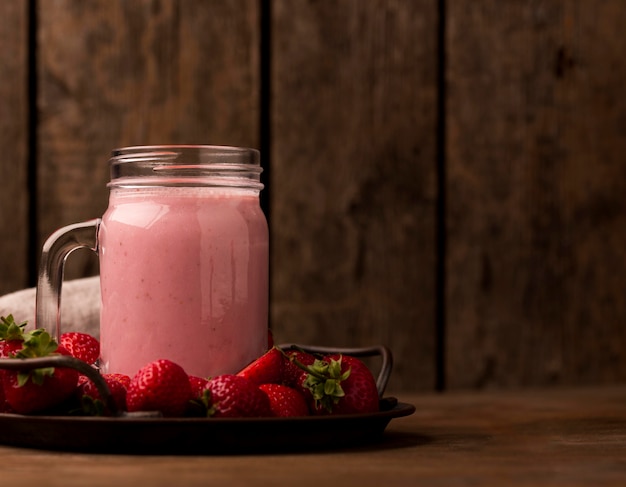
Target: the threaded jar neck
(186, 165)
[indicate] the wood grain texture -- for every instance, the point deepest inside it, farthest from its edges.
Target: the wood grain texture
(14, 196)
(135, 73)
(536, 268)
(538, 438)
(353, 188)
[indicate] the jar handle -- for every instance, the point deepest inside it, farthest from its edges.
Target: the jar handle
(55, 251)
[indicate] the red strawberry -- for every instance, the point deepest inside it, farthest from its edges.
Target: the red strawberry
(162, 386)
(197, 406)
(9, 348)
(198, 385)
(121, 378)
(341, 384)
(81, 345)
(11, 342)
(37, 390)
(285, 401)
(11, 336)
(293, 374)
(296, 372)
(232, 396)
(90, 398)
(267, 369)
(4, 405)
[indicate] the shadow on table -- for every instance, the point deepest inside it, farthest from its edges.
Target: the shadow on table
(397, 439)
(393, 440)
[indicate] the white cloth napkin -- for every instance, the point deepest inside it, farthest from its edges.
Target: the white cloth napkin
(80, 306)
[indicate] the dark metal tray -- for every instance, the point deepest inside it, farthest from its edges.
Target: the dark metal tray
(198, 435)
(145, 434)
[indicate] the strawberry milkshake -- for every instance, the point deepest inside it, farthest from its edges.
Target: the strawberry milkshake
(183, 252)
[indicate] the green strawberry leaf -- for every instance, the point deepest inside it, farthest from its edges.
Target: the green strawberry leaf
(324, 381)
(91, 406)
(37, 343)
(10, 329)
(37, 376)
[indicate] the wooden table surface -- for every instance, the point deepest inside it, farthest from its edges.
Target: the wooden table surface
(570, 437)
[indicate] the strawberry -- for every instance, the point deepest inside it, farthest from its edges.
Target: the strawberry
(341, 384)
(294, 373)
(162, 386)
(197, 406)
(233, 396)
(81, 345)
(91, 400)
(11, 342)
(198, 385)
(8, 349)
(40, 389)
(4, 405)
(267, 369)
(11, 336)
(285, 401)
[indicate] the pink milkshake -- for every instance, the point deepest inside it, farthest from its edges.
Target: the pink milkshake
(183, 250)
(184, 276)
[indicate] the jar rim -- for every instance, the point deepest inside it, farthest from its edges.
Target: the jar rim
(186, 165)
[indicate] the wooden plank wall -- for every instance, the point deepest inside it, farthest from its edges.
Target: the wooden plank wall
(536, 178)
(14, 116)
(445, 177)
(353, 179)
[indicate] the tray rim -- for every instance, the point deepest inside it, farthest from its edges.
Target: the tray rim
(150, 435)
(399, 409)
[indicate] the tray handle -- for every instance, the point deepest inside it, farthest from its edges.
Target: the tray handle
(65, 361)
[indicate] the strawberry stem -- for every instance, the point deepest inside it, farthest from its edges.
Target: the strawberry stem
(323, 380)
(10, 329)
(306, 368)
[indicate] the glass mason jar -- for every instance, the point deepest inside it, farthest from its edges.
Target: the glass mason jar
(183, 254)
